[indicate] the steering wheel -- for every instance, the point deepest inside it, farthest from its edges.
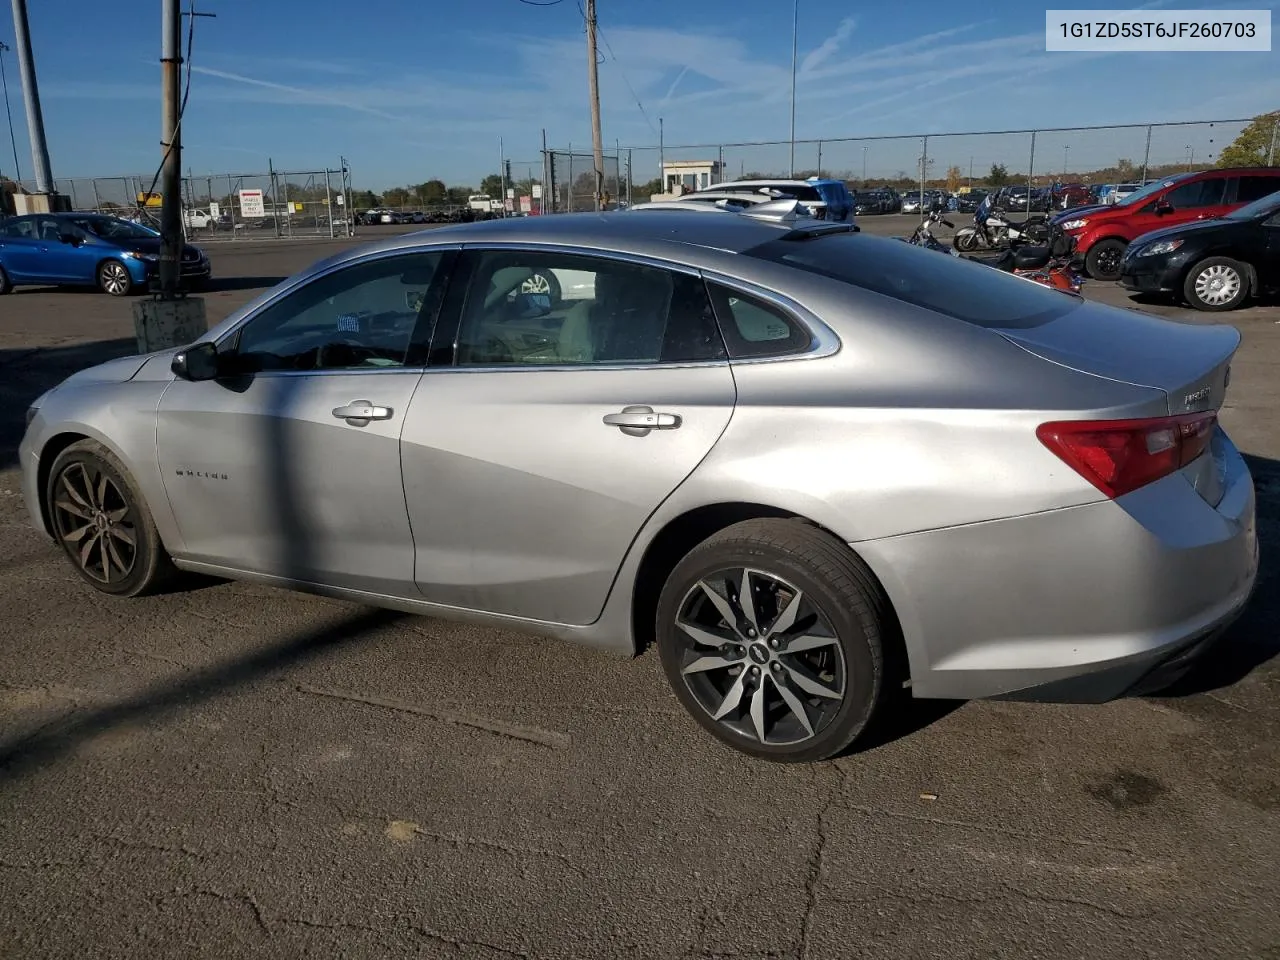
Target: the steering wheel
(358, 353)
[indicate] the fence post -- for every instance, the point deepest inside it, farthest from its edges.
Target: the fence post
(1271, 150)
(1031, 171)
(231, 206)
(628, 176)
(924, 159)
(720, 169)
(328, 201)
(819, 158)
(569, 190)
(1146, 156)
(97, 202)
(288, 208)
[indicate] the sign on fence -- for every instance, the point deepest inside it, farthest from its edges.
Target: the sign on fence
(252, 205)
(526, 204)
(215, 210)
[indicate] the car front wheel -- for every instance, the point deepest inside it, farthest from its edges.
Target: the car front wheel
(113, 278)
(102, 523)
(1216, 284)
(770, 633)
(1102, 262)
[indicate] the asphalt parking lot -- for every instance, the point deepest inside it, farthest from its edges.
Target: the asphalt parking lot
(232, 770)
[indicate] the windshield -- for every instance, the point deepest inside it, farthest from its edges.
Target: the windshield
(109, 228)
(972, 292)
(1259, 208)
(1154, 187)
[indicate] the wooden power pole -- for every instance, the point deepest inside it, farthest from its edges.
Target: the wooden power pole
(597, 144)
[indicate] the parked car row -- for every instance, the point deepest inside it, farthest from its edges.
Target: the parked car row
(452, 215)
(1210, 237)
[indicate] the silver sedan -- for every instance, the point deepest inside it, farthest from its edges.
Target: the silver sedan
(811, 466)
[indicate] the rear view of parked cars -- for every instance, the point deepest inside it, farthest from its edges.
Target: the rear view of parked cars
(825, 199)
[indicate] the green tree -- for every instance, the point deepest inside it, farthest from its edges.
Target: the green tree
(643, 191)
(953, 179)
(999, 175)
(364, 199)
(492, 185)
(458, 195)
(1124, 169)
(1257, 145)
(433, 191)
(396, 197)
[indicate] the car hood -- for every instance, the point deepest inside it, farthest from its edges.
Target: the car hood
(1185, 229)
(114, 371)
(1072, 213)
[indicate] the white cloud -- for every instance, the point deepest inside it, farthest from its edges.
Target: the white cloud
(829, 46)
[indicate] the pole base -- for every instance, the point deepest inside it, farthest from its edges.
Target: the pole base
(165, 324)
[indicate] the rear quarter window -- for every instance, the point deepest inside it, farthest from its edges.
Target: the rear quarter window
(963, 290)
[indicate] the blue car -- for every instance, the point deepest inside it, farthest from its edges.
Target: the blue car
(117, 256)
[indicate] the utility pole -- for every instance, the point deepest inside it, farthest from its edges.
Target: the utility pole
(170, 320)
(13, 141)
(31, 97)
(597, 145)
(662, 158)
(795, 23)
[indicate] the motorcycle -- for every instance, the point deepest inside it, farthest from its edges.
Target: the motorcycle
(923, 236)
(994, 230)
(1036, 263)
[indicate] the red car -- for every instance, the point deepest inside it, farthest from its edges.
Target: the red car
(1101, 234)
(1071, 195)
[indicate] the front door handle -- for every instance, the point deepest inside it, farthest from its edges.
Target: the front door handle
(360, 412)
(637, 421)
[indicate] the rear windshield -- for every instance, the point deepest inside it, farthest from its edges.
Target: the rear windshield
(805, 194)
(972, 292)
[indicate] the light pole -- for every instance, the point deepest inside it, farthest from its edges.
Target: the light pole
(864, 166)
(795, 23)
(1066, 148)
(13, 141)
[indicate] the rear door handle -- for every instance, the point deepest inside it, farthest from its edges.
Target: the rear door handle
(360, 412)
(638, 420)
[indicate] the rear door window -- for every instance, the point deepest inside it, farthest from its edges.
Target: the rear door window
(972, 292)
(1255, 188)
(1197, 193)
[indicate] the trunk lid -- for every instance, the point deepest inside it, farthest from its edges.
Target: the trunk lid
(1189, 363)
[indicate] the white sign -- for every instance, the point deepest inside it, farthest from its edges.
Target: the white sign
(511, 193)
(341, 200)
(214, 210)
(510, 205)
(537, 191)
(251, 204)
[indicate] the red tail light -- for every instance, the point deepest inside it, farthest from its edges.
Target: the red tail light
(1119, 456)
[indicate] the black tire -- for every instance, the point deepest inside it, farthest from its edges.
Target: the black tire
(114, 278)
(89, 517)
(6, 285)
(1199, 290)
(965, 242)
(842, 608)
(1102, 262)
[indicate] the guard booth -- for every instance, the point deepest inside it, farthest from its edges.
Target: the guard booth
(685, 176)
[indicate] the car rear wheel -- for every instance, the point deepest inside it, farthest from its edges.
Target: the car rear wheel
(770, 634)
(1102, 262)
(113, 278)
(5, 284)
(1216, 284)
(102, 523)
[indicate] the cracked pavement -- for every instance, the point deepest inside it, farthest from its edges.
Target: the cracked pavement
(235, 771)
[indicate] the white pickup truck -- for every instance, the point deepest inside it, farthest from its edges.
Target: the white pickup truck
(199, 219)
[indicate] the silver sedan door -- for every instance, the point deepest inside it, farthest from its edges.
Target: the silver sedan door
(532, 462)
(289, 463)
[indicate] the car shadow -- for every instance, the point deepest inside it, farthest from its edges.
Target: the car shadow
(225, 284)
(27, 754)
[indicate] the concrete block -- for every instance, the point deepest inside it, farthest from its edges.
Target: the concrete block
(25, 203)
(164, 324)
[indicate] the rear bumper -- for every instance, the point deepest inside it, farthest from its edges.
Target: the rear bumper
(1084, 604)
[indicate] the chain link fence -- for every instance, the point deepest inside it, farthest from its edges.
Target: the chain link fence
(228, 206)
(572, 181)
(1089, 154)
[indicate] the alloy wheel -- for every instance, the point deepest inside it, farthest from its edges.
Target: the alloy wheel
(536, 284)
(1109, 261)
(95, 521)
(760, 657)
(1218, 284)
(115, 278)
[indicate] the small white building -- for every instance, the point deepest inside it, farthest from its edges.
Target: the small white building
(683, 176)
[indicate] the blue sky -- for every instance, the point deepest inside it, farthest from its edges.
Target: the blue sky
(413, 90)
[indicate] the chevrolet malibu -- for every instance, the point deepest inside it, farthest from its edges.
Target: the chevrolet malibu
(811, 466)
